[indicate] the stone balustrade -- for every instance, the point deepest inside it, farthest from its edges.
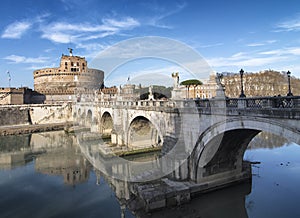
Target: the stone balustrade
(208, 106)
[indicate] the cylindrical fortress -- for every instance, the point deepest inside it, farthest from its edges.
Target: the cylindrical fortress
(72, 74)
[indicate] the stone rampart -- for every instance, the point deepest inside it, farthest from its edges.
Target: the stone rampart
(14, 116)
(35, 114)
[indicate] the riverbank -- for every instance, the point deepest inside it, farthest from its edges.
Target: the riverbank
(26, 129)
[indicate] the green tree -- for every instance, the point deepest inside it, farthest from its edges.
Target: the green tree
(191, 82)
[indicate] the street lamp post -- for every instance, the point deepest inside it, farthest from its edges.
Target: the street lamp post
(289, 81)
(242, 95)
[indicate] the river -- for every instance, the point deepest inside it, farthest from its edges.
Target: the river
(46, 175)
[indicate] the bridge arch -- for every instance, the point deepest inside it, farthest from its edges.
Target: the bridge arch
(106, 124)
(221, 147)
(143, 133)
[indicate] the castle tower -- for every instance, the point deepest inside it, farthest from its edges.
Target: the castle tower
(73, 74)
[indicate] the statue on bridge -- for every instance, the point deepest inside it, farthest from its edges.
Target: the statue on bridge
(219, 77)
(220, 92)
(150, 97)
(175, 77)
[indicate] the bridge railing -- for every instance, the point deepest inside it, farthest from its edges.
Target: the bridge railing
(236, 106)
(205, 105)
(264, 102)
(253, 102)
(137, 104)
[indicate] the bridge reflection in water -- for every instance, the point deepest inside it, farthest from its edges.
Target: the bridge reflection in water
(58, 155)
(202, 141)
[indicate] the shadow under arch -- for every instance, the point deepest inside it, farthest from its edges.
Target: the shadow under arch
(143, 133)
(221, 147)
(89, 117)
(106, 124)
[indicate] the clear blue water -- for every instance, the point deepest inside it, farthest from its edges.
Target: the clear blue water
(276, 182)
(58, 182)
(26, 193)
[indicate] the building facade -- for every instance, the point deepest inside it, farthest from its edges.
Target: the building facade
(207, 90)
(264, 83)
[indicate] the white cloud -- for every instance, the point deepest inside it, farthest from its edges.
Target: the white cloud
(211, 45)
(248, 60)
(22, 59)
(63, 32)
(271, 52)
(294, 50)
(284, 51)
(36, 66)
(271, 41)
(156, 20)
(92, 46)
(16, 30)
(238, 56)
(58, 37)
(259, 59)
(255, 44)
(289, 25)
(128, 22)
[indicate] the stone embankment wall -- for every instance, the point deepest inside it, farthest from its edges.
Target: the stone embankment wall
(14, 116)
(35, 114)
(45, 114)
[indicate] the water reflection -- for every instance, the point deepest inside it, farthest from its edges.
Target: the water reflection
(60, 182)
(14, 151)
(66, 162)
(275, 183)
(229, 202)
(267, 140)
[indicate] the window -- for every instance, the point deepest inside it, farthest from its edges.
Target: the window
(74, 69)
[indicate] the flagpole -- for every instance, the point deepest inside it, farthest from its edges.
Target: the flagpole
(9, 78)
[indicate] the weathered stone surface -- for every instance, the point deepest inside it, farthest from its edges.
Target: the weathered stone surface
(25, 129)
(14, 116)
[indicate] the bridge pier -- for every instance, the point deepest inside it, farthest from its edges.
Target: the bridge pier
(117, 138)
(94, 127)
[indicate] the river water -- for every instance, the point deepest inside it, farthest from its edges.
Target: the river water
(46, 175)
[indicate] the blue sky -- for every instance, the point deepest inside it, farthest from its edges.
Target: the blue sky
(253, 35)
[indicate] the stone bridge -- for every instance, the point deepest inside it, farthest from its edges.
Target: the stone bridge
(119, 119)
(207, 138)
